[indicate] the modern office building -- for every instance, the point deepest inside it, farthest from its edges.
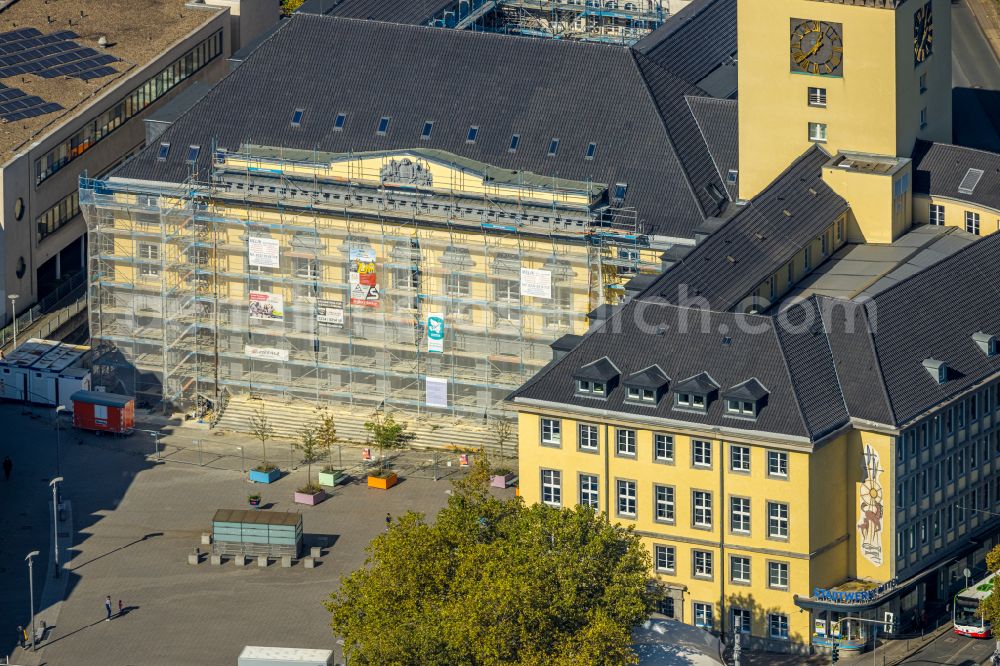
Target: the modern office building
(799, 416)
(75, 83)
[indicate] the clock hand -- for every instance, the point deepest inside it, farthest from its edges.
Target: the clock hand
(815, 48)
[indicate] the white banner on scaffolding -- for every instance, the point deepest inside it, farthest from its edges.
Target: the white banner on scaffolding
(435, 332)
(330, 313)
(266, 353)
(267, 306)
(264, 252)
(437, 392)
(536, 282)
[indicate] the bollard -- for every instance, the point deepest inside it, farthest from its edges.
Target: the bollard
(262, 561)
(316, 552)
(286, 561)
(194, 558)
(217, 560)
(309, 562)
(206, 539)
(240, 560)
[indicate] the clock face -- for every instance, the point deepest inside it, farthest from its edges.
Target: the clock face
(923, 34)
(817, 47)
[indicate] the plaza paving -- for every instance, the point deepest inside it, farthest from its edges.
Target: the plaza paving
(181, 614)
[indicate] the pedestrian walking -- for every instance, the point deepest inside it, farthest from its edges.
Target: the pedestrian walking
(7, 467)
(107, 607)
(388, 521)
(121, 610)
(22, 637)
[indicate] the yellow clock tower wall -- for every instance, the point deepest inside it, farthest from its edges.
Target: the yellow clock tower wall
(841, 73)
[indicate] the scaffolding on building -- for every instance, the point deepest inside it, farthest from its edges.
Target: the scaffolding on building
(172, 280)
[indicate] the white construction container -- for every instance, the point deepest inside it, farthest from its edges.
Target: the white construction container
(254, 655)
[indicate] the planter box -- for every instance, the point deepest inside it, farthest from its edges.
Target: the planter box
(311, 500)
(384, 482)
(265, 477)
(501, 480)
(332, 478)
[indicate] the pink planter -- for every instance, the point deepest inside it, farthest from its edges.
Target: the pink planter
(501, 480)
(311, 500)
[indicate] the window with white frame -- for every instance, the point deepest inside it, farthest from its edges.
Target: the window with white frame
(777, 463)
(937, 215)
(551, 432)
(701, 501)
(777, 575)
(972, 222)
(739, 458)
(739, 515)
(742, 620)
(817, 97)
(663, 447)
(588, 387)
(588, 491)
(406, 278)
(587, 437)
(666, 558)
(778, 625)
(777, 520)
(149, 252)
(739, 569)
(702, 615)
(306, 268)
(626, 498)
(636, 394)
(702, 563)
(552, 487)
(817, 132)
(701, 453)
(457, 284)
(625, 439)
(740, 408)
(665, 504)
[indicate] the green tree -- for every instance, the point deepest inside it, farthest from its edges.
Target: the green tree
(326, 430)
(262, 429)
(989, 608)
(313, 448)
(492, 581)
(501, 432)
(288, 7)
(387, 434)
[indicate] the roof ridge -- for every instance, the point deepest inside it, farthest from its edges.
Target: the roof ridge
(826, 338)
(943, 144)
(701, 131)
(791, 380)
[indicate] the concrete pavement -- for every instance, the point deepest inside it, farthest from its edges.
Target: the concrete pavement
(975, 77)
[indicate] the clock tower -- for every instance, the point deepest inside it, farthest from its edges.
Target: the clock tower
(866, 76)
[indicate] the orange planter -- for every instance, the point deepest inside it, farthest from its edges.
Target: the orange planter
(383, 482)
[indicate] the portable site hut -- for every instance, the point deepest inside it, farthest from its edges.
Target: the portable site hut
(242, 532)
(103, 412)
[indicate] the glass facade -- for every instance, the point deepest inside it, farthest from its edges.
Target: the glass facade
(65, 210)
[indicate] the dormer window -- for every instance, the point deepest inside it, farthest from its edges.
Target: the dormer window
(646, 386)
(695, 393)
(987, 343)
(937, 369)
(596, 379)
(740, 408)
(746, 399)
(590, 388)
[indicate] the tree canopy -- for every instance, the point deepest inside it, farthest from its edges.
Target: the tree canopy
(492, 581)
(989, 607)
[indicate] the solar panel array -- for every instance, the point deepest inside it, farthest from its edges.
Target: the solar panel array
(28, 51)
(16, 105)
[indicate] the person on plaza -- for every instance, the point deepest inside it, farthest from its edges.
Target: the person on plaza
(388, 521)
(121, 608)
(7, 467)
(22, 637)
(107, 607)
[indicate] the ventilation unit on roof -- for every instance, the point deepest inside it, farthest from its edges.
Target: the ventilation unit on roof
(986, 342)
(969, 181)
(937, 369)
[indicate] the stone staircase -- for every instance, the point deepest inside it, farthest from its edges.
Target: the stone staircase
(288, 417)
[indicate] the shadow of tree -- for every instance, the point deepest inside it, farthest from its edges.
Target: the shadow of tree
(760, 626)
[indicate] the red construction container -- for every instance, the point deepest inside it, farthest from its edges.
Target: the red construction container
(103, 412)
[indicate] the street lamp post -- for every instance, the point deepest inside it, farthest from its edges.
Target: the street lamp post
(13, 314)
(31, 591)
(59, 410)
(55, 523)
(243, 462)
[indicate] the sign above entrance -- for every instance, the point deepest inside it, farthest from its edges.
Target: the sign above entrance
(854, 596)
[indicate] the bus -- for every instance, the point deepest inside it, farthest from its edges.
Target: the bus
(967, 622)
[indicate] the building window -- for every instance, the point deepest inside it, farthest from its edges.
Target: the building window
(636, 394)
(664, 503)
(923, 117)
(306, 268)
(739, 569)
(666, 606)
(666, 558)
(923, 83)
(552, 487)
(588, 491)
(104, 124)
(817, 97)
(777, 625)
(383, 126)
(663, 448)
(777, 464)
(625, 440)
(457, 284)
(743, 407)
(739, 458)
(551, 432)
(777, 575)
(702, 513)
(702, 563)
(972, 222)
(589, 387)
(937, 214)
(701, 453)
(817, 132)
(626, 498)
(777, 520)
(702, 615)
(587, 437)
(149, 252)
(55, 217)
(742, 619)
(739, 515)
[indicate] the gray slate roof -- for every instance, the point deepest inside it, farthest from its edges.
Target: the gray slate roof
(757, 241)
(414, 12)
(938, 169)
(369, 69)
(719, 125)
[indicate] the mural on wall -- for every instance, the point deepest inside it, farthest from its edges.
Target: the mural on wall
(870, 526)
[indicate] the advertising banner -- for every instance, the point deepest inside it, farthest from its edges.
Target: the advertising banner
(266, 353)
(267, 306)
(536, 282)
(435, 333)
(330, 313)
(264, 252)
(437, 392)
(364, 283)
